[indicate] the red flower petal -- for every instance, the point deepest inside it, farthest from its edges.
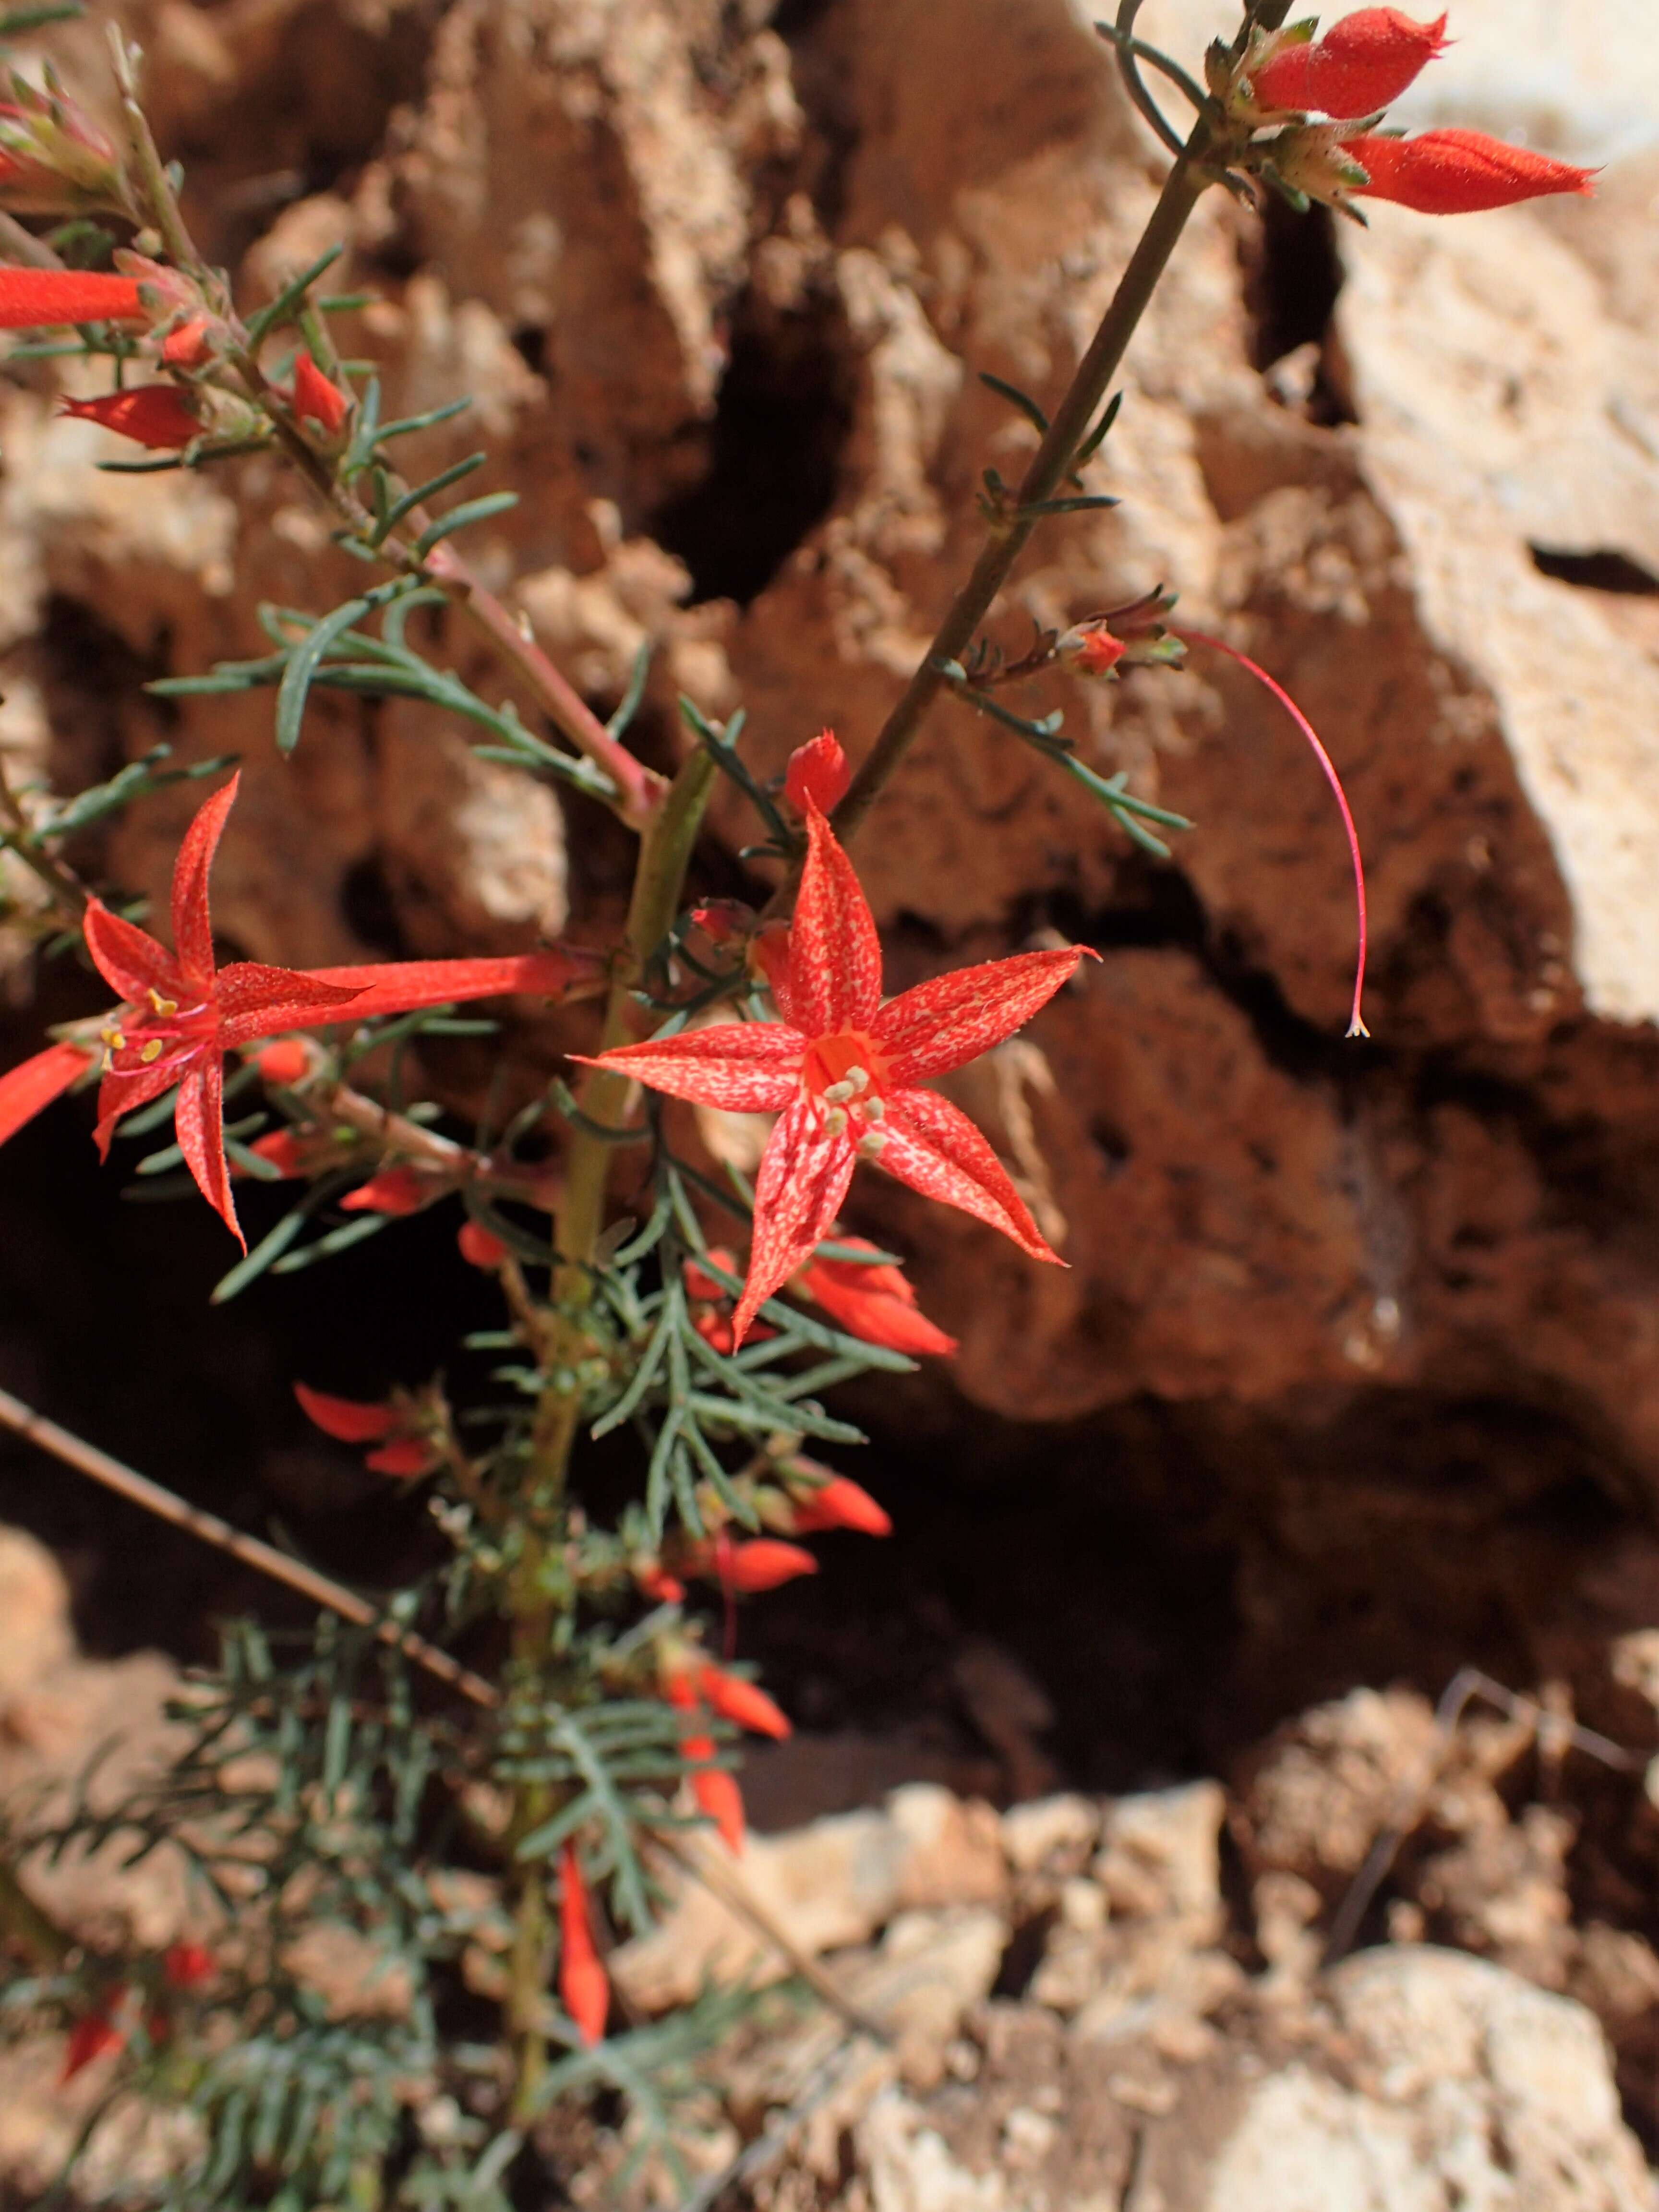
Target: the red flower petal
(28, 1089)
(403, 987)
(835, 954)
(951, 1020)
(91, 2037)
(123, 1093)
(346, 1418)
(584, 1988)
(129, 960)
(32, 298)
(478, 1248)
(803, 1175)
(743, 1067)
(254, 1000)
(192, 926)
(936, 1150)
(1460, 173)
(198, 1124)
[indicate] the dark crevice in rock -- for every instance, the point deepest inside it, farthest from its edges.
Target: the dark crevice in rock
(1293, 277)
(93, 679)
(781, 420)
(1606, 571)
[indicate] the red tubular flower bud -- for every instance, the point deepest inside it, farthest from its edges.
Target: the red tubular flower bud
(741, 1702)
(840, 1504)
(187, 346)
(717, 1794)
(817, 775)
(699, 1283)
(660, 1588)
(32, 299)
(283, 1062)
(283, 1150)
(92, 2038)
(394, 1190)
(317, 400)
(406, 1457)
(478, 1248)
(876, 1304)
(584, 1987)
(346, 1418)
(1090, 649)
(1360, 65)
(764, 1564)
(152, 415)
(1460, 173)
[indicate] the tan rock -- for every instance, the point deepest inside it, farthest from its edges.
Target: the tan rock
(34, 1623)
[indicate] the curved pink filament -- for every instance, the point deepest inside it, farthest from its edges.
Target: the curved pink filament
(1355, 1025)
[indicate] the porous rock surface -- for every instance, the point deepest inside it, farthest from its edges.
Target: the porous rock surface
(721, 278)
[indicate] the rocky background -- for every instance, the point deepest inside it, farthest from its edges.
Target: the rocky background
(1354, 1378)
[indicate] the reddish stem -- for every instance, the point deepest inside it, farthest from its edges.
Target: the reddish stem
(1355, 1025)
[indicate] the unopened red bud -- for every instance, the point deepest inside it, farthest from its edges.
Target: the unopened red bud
(699, 1283)
(724, 922)
(152, 415)
(283, 1151)
(744, 1704)
(660, 1588)
(1360, 66)
(1090, 649)
(186, 1965)
(1460, 173)
(403, 1455)
(317, 400)
(841, 1502)
(284, 1062)
(817, 775)
(346, 1418)
(478, 1248)
(394, 1190)
(584, 1988)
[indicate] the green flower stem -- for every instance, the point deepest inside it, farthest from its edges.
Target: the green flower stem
(1182, 190)
(539, 1591)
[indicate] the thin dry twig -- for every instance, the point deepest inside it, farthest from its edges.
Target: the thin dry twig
(1555, 1735)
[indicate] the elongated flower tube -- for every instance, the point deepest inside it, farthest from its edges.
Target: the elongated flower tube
(844, 1073)
(36, 299)
(584, 1987)
(317, 400)
(837, 1502)
(744, 1704)
(184, 1012)
(1460, 173)
(760, 1564)
(1360, 66)
(714, 1792)
(152, 415)
(1356, 1024)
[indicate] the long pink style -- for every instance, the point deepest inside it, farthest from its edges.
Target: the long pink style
(1356, 1024)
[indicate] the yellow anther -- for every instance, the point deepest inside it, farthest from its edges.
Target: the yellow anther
(114, 1038)
(165, 1008)
(151, 1052)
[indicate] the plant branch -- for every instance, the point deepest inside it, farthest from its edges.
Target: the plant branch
(1050, 466)
(138, 1489)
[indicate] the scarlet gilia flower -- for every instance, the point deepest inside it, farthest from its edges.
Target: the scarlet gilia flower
(190, 345)
(1360, 66)
(715, 1792)
(184, 1013)
(1460, 173)
(817, 775)
(844, 1072)
(36, 299)
(835, 1501)
(153, 415)
(584, 1988)
(394, 1190)
(316, 399)
(478, 1248)
(876, 1303)
(402, 1448)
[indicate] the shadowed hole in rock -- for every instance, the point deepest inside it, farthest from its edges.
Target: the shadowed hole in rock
(1605, 571)
(781, 419)
(1293, 277)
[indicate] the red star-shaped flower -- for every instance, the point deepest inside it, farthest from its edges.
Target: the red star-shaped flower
(183, 1013)
(844, 1073)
